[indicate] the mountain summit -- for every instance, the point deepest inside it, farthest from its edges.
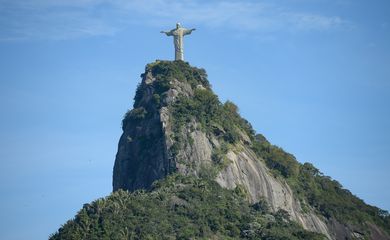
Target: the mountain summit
(190, 167)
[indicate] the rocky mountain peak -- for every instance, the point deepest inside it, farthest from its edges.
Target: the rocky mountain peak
(191, 167)
(178, 125)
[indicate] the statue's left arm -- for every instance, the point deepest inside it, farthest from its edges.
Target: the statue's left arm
(188, 31)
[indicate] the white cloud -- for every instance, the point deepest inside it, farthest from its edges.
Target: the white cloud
(314, 22)
(64, 19)
(240, 15)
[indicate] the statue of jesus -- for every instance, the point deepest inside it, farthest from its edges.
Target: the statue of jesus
(178, 33)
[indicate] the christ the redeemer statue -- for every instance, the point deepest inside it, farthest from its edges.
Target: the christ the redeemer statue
(178, 33)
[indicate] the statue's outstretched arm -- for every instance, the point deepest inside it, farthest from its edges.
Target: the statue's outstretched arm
(188, 31)
(167, 33)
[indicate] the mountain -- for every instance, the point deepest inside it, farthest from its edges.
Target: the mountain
(190, 167)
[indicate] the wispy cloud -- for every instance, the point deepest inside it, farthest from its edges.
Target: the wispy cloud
(240, 15)
(65, 19)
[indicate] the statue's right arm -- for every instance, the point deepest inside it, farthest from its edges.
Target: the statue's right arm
(167, 33)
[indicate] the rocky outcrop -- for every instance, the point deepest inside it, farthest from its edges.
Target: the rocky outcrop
(152, 146)
(142, 154)
(249, 171)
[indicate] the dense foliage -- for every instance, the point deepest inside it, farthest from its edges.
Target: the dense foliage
(214, 117)
(180, 71)
(332, 200)
(166, 71)
(180, 208)
(275, 158)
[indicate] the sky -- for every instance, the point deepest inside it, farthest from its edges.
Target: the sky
(313, 76)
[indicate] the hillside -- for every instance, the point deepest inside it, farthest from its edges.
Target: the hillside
(224, 180)
(181, 207)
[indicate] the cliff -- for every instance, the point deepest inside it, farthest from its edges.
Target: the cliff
(178, 126)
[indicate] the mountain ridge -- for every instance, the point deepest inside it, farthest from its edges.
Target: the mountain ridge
(179, 126)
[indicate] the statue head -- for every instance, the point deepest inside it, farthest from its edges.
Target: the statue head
(178, 25)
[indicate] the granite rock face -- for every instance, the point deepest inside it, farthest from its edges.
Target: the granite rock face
(142, 154)
(152, 147)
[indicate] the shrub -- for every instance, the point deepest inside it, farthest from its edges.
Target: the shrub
(275, 158)
(134, 115)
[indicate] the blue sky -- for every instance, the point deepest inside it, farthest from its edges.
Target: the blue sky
(312, 75)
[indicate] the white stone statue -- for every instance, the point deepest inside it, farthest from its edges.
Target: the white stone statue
(178, 33)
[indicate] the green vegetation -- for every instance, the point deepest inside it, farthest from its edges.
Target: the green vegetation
(133, 116)
(220, 119)
(275, 158)
(179, 70)
(165, 72)
(332, 200)
(219, 157)
(180, 207)
(327, 196)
